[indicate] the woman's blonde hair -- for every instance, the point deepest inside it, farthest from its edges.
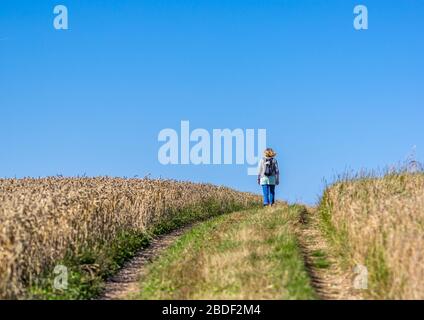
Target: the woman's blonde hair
(269, 153)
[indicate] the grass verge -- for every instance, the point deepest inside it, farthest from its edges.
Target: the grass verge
(375, 224)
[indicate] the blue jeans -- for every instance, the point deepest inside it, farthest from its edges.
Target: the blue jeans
(269, 193)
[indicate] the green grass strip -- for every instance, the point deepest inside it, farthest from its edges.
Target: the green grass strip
(251, 254)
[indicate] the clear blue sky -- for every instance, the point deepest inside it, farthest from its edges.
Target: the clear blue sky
(92, 99)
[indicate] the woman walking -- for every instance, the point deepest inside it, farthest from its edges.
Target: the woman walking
(268, 176)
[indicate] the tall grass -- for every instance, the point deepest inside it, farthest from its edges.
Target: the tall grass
(43, 221)
(379, 222)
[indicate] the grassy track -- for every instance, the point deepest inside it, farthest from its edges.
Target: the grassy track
(251, 254)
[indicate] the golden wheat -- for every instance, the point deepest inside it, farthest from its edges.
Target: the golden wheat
(380, 223)
(41, 220)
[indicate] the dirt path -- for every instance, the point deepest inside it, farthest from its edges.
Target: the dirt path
(125, 282)
(329, 281)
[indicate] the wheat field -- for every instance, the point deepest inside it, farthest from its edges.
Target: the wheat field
(379, 223)
(43, 220)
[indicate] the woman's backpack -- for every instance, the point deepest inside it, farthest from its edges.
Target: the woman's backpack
(270, 167)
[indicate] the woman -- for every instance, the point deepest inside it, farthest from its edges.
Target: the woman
(268, 176)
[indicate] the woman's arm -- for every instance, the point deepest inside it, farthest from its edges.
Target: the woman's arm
(277, 173)
(260, 170)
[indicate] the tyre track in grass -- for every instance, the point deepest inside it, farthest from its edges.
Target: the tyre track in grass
(328, 279)
(125, 282)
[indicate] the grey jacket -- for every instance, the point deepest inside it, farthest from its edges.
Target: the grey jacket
(261, 169)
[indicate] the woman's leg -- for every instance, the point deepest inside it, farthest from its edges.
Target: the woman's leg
(265, 189)
(271, 194)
